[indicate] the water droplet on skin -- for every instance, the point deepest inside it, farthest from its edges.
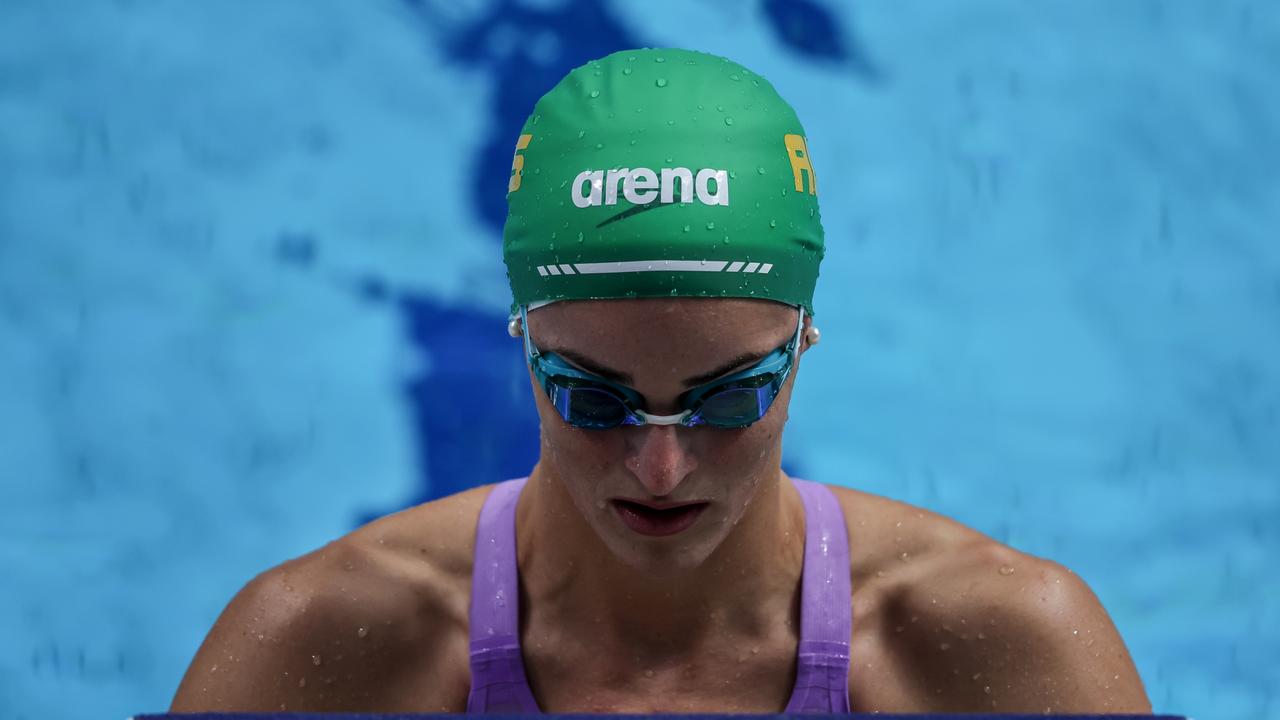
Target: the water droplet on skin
(302, 682)
(660, 82)
(904, 557)
(1006, 570)
(600, 505)
(648, 673)
(315, 660)
(944, 646)
(362, 632)
(986, 689)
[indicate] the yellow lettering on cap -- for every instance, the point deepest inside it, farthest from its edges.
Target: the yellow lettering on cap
(517, 163)
(798, 154)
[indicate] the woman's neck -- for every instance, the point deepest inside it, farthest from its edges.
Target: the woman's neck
(579, 586)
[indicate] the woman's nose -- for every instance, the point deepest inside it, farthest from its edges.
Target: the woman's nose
(661, 457)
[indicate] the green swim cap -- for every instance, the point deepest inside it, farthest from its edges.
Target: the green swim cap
(661, 173)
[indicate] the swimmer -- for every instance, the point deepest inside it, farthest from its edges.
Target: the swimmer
(663, 244)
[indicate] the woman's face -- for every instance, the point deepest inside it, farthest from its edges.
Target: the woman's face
(656, 346)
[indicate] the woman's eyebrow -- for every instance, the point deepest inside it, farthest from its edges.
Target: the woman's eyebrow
(622, 378)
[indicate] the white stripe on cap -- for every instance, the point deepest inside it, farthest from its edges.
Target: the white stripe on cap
(608, 268)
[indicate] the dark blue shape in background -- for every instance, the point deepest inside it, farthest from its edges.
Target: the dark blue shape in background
(472, 407)
(527, 50)
(810, 30)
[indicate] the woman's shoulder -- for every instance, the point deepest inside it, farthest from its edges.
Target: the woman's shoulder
(948, 606)
(378, 613)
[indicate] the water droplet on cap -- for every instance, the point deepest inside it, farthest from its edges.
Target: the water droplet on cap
(626, 71)
(711, 225)
(728, 121)
(595, 93)
(660, 59)
(660, 82)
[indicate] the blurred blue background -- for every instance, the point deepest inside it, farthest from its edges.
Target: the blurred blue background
(245, 247)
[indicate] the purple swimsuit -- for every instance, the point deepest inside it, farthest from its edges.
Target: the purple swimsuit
(498, 682)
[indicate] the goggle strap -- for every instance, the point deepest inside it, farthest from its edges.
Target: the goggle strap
(795, 352)
(524, 330)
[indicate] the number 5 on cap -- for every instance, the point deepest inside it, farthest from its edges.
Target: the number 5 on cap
(517, 163)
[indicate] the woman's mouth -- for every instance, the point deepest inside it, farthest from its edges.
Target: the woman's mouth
(654, 522)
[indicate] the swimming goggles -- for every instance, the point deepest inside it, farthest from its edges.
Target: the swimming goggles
(589, 401)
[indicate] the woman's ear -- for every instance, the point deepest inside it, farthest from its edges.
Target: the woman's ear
(812, 335)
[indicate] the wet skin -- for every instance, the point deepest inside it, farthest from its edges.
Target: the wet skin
(944, 618)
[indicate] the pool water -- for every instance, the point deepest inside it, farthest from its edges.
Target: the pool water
(251, 296)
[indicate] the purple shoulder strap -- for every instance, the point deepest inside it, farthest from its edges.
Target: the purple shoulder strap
(826, 620)
(498, 682)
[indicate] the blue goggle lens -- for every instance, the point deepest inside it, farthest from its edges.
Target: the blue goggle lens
(587, 406)
(736, 407)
